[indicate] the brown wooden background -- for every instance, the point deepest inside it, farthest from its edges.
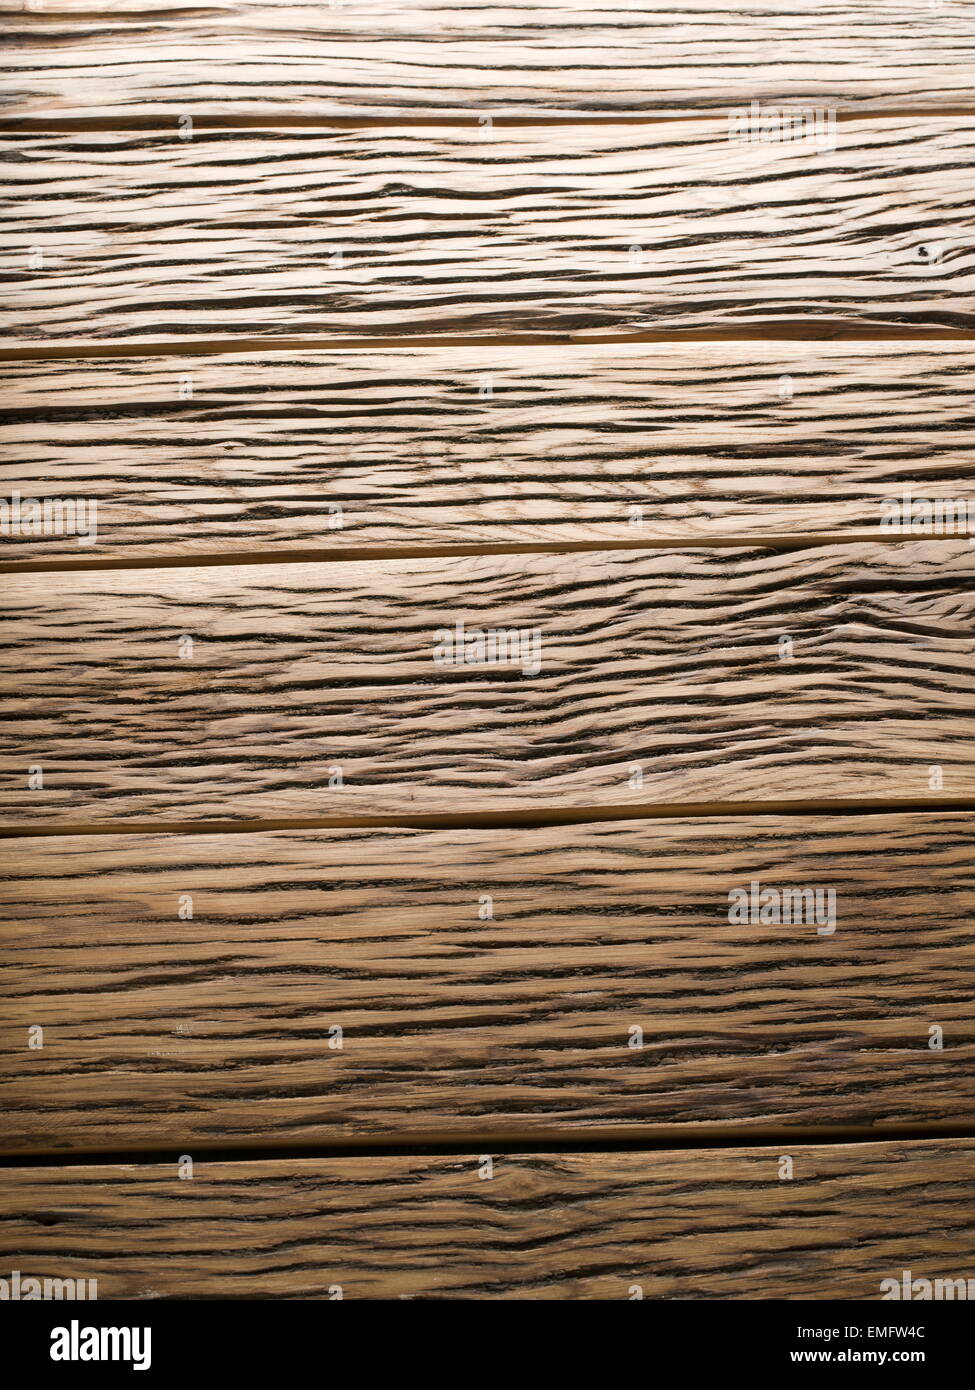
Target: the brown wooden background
(327, 967)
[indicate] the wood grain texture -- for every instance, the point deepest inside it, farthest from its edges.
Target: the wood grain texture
(585, 230)
(415, 452)
(669, 660)
(380, 57)
(713, 1224)
(190, 1033)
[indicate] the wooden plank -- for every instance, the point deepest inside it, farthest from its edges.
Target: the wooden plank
(342, 689)
(376, 57)
(717, 1224)
(579, 230)
(162, 1030)
(487, 446)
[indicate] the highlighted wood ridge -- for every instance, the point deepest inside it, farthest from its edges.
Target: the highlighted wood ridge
(468, 233)
(712, 1224)
(281, 61)
(479, 986)
(233, 693)
(435, 447)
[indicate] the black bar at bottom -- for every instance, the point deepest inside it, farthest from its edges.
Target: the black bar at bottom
(453, 1338)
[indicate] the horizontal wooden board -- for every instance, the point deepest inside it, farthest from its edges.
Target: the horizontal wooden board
(342, 689)
(579, 230)
(718, 1224)
(487, 446)
(378, 57)
(486, 983)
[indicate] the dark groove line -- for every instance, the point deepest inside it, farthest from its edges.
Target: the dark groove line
(603, 1140)
(797, 330)
(501, 820)
(323, 555)
(272, 120)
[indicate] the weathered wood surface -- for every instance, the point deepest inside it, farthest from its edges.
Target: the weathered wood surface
(165, 1029)
(380, 57)
(716, 1224)
(669, 662)
(490, 446)
(486, 984)
(579, 230)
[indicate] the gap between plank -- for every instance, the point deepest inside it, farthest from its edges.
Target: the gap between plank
(623, 1139)
(792, 330)
(323, 555)
(500, 820)
(279, 120)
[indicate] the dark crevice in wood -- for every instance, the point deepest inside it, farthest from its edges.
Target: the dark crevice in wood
(324, 555)
(622, 1139)
(273, 120)
(799, 330)
(502, 820)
